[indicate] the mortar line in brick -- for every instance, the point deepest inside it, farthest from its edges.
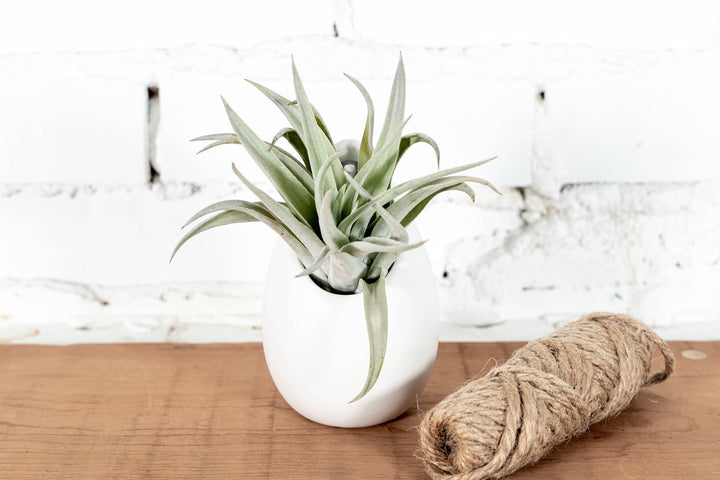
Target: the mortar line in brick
(153, 122)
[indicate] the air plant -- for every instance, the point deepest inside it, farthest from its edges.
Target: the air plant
(339, 212)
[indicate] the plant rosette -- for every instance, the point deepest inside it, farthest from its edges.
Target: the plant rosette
(350, 321)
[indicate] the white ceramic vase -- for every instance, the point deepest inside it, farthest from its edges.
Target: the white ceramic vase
(317, 349)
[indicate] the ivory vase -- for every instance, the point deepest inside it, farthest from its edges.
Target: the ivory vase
(317, 349)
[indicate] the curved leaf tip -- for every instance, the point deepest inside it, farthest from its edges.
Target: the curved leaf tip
(376, 318)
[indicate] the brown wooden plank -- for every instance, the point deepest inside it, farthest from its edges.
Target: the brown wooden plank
(128, 411)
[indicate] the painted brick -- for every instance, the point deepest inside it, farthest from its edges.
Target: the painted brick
(82, 25)
(469, 119)
(613, 24)
(190, 106)
(73, 131)
(636, 129)
(472, 120)
(652, 251)
(629, 108)
(124, 237)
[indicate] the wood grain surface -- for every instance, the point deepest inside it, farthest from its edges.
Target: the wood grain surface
(167, 411)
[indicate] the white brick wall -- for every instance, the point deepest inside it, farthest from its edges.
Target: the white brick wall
(124, 237)
(73, 131)
(604, 117)
(613, 24)
(84, 25)
(636, 129)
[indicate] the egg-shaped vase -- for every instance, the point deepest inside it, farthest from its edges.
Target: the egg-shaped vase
(317, 348)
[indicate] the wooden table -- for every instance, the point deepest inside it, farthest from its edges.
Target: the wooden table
(168, 411)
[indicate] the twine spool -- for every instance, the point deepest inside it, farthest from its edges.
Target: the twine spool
(547, 392)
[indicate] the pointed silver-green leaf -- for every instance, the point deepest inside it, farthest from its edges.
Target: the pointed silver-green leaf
(364, 213)
(411, 139)
(300, 229)
(420, 196)
(332, 237)
(321, 173)
(217, 144)
(244, 212)
(344, 271)
(290, 162)
(380, 265)
(370, 245)
(323, 126)
(366, 144)
(398, 232)
(289, 187)
(317, 143)
(349, 197)
(466, 189)
(216, 136)
(376, 319)
(296, 168)
(316, 263)
(318, 119)
(293, 137)
(225, 218)
(218, 139)
(281, 134)
(396, 106)
(283, 104)
(338, 204)
(408, 208)
(417, 200)
(237, 205)
(376, 174)
(419, 207)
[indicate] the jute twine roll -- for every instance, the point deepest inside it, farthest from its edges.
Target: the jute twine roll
(547, 392)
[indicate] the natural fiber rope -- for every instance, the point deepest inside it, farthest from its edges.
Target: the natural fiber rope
(547, 392)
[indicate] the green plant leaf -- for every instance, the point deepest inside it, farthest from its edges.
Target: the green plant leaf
(376, 174)
(323, 126)
(397, 231)
(318, 145)
(291, 112)
(237, 205)
(316, 263)
(364, 213)
(225, 218)
(217, 144)
(284, 215)
(291, 163)
(293, 138)
(339, 205)
(219, 139)
(408, 208)
(283, 133)
(360, 248)
(289, 187)
(332, 237)
(411, 139)
(366, 144)
(243, 212)
(344, 271)
(216, 136)
(402, 207)
(376, 319)
(326, 165)
(396, 106)
(417, 209)
(296, 168)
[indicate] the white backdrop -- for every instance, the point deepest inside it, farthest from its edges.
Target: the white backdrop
(605, 118)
